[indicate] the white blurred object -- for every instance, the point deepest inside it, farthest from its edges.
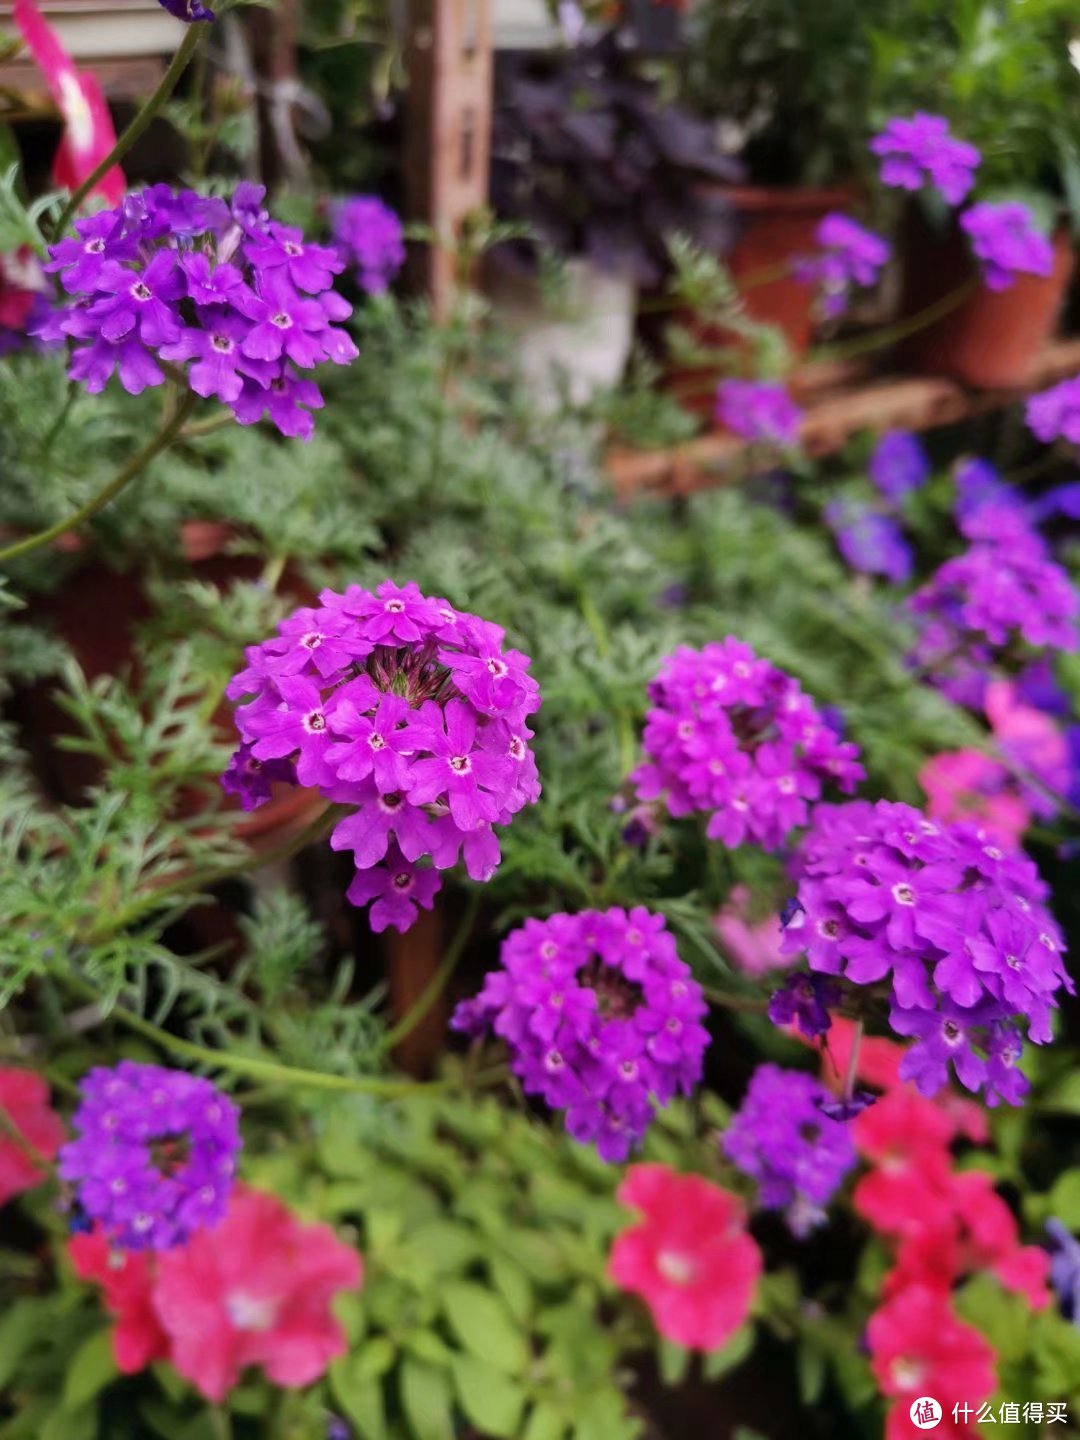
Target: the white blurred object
(113, 31)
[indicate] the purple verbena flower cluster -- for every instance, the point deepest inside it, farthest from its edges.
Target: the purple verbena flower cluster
(601, 1018)
(759, 411)
(920, 148)
(731, 734)
(781, 1137)
(1055, 413)
(898, 465)
(405, 709)
(869, 541)
(1006, 242)
(1004, 591)
(805, 1000)
(849, 257)
(155, 1155)
(368, 235)
(245, 303)
(951, 925)
(187, 10)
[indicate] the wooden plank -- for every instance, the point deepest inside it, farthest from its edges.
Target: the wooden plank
(125, 78)
(448, 130)
(833, 416)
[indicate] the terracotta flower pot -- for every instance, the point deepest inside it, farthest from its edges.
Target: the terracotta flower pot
(991, 339)
(779, 224)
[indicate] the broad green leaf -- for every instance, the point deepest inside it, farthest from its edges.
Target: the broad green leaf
(427, 1399)
(64, 1424)
(429, 1346)
(91, 1368)
(674, 1362)
(484, 1325)
(719, 1362)
(360, 1398)
(545, 1422)
(512, 1283)
(491, 1402)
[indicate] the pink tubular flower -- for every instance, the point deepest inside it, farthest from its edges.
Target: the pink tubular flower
(24, 1099)
(690, 1258)
(753, 947)
(88, 128)
(967, 785)
(255, 1290)
(126, 1280)
(918, 1346)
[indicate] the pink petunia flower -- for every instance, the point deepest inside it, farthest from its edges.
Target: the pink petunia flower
(24, 1098)
(126, 1278)
(89, 134)
(255, 1290)
(753, 947)
(690, 1258)
(967, 785)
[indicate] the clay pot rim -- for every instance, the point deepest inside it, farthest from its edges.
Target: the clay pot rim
(756, 199)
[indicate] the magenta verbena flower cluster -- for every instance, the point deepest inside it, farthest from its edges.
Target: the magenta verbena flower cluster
(601, 1018)
(405, 709)
(732, 736)
(848, 257)
(1054, 414)
(782, 1138)
(1003, 596)
(760, 411)
(1005, 241)
(155, 1154)
(369, 237)
(920, 149)
(245, 305)
(947, 923)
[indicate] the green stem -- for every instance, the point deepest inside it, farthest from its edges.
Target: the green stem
(208, 426)
(220, 1422)
(139, 125)
(435, 986)
(123, 477)
(890, 334)
(61, 419)
(853, 1060)
(18, 1139)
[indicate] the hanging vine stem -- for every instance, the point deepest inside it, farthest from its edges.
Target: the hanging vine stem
(438, 982)
(138, 126)
(123, 477)
(18, 1139)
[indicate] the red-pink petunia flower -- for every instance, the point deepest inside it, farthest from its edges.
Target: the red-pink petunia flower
(89, 134)
(918, 1346)
(967, 785)
(690, 1258)
(753, 946)
(24, 1098)
(255, 1290)
(126, 1279)
(877, 1063)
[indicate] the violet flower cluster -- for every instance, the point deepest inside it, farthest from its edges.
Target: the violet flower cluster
(155, 1155)
(1006, 242)
(244, 303)
(732, 736)
(920, 149)
(759, 411)
(1004, 592)
(187, 10)
(782, 1138)
(408, 711)
(898, 465)
(804, 1000)
(369, 237)
(1055, 413)
(949, 925)
(870, 542)
(848, 257)
(601, 1018)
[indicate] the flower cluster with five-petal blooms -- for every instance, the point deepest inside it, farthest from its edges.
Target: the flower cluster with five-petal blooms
(759, 411)
(405, 709)
(1006, 242)
(601, 1018)
(369, 237)
(1054, 414)
(244, 303)
(783, 1138)
(920, 149)
(155, 1155)
(732, 736)
(898, 465)
(949, 923)
(848, 257)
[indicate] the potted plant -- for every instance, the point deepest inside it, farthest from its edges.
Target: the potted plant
(1001, 72)
(603, 173)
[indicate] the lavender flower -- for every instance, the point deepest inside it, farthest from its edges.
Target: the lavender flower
(368, 234)
(732, 736)
(759, 411)
(242, 301)
(943, 922)
(870, 542)
(898, 465)
(405, 709)
(1055, 413)
(781, 1137)
(918, 149)
(849, 256)
(1006, 242)
(155, 1155)
(804, 1000)
(601, 1018)
(1065, 1268)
